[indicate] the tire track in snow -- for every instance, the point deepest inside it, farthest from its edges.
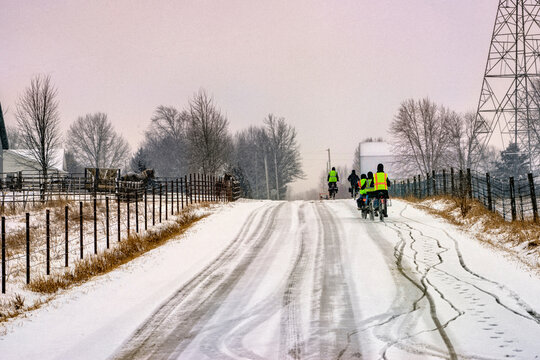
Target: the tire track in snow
(227, 333)
(283, 298)
(401, 316)
(404, 326)
(335, 322)
(169, 330)
(534, 316)
(482, 313)
(292, 341)
(422, 286)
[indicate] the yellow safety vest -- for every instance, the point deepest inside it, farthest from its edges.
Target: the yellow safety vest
(333, 176)
(362, 182)
(369, 186)
(380, 181)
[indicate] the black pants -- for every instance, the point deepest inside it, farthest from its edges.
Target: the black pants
(378, 194)
(361, 200)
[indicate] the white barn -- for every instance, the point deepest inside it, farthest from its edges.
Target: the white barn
(15, 160)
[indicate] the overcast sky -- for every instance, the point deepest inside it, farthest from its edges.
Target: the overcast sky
(337, 70)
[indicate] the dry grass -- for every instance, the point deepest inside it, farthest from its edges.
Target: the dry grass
(20, 208)
(127, 250)
(491, 228)
(15, 305)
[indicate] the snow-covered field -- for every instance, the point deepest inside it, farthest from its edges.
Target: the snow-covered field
(278, 280)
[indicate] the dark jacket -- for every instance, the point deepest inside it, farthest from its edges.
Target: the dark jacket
(353, 178)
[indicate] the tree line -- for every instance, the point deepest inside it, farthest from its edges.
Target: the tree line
(195, 138)
(427, 136)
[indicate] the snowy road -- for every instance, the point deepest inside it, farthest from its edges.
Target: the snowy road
(302, 280)
(290, 286)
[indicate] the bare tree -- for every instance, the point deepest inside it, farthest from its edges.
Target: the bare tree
(250, 147)
(464, 147)
(39, 121)
(208, 135)
(420, 136)
(283, 153)
(165, 148)
(94, 143)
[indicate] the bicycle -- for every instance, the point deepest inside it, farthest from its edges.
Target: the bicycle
(382, 207)
(332, 190)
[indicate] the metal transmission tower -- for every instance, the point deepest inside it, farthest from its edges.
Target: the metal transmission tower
(510, 99)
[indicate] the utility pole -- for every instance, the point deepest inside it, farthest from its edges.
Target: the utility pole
(266, 173)
(329, 162)
(277, 182)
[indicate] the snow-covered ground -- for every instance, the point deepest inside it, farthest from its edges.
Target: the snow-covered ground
(278, 280)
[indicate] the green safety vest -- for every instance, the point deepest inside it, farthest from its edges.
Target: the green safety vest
(369, 186)
(380, 181)
(362, 182)
(333, 176)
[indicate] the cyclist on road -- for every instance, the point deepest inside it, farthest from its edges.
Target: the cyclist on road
(381, 184)
(332, 179)
(362, 198)
(353, 179)
(368, 186)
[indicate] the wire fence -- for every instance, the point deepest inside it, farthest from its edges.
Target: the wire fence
(54, 238)
(513, 198)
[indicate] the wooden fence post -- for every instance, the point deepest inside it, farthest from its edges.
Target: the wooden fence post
(166, 201)
(512, 198)
(182, 191)
(190, 190)
(3, 254)
(153, 205)
(107, 231)
(118, 221)
(172, 197)
(427, 184)
(48, 240)
(198, 185)
(145, 209)
(81, 229)
(66, 235)
(177, 197)
(28, 248)
(137, 212)
(160, 203)
(533, 197)
(128, 215)
(95, 226)
(489, 198)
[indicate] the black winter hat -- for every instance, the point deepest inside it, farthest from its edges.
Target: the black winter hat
(363, 176)
(380, 168)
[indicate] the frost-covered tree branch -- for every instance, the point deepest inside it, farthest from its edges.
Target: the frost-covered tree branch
(94, 143)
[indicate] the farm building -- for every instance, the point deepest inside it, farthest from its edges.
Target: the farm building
(16, 160)
(373, 153)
